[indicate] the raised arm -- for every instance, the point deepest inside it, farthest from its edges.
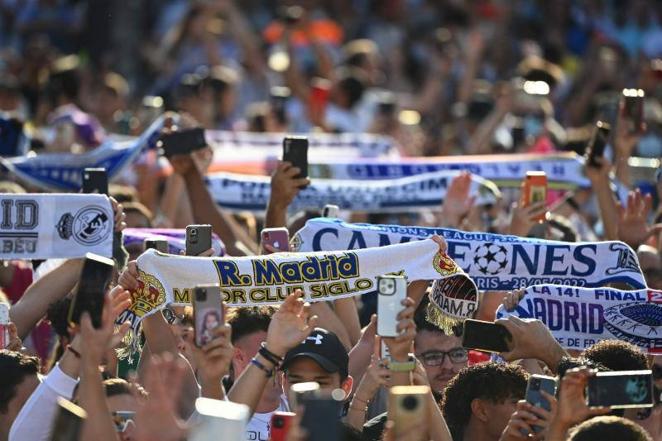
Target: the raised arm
(284, 188)
(599, 177)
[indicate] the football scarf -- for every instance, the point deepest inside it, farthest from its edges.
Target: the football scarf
(64, 171)
(580, 317)
(267, 280)
(251, 193)
(493, 261)
(176, 239)
(45, 226)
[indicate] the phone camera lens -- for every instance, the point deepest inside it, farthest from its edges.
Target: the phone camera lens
(410, 402)
(279, 423)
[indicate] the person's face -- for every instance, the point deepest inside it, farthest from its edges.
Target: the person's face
(211, 322)
(428, 345)
(124, 402)
(244, 350)
(304, 369)
(499, 415)
(23, 392)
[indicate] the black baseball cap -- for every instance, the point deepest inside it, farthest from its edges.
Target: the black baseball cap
(325, 349)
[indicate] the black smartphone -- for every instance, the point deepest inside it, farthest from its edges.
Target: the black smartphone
(536, 384)
(279, 96)
(485, 336)
(158, 244)
(182, 142)
(321, 418)
(198, 239)
(68, 421)
(621, 390)
(95, 180)
(92, 286)
(598, 142)
(632, 107)
(295, 151)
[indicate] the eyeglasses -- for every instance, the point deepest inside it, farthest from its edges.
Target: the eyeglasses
(436, 358)
(122, 419)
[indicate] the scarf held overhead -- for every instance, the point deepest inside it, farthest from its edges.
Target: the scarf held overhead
(580, 317)
(46, 226)
(267, 280)
(251, 193)
(493, 261)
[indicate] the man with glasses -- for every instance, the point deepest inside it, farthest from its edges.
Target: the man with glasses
(442, 355)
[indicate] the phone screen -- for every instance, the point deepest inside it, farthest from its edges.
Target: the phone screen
(183, 142)
(485, 336)
(95, 180)
(621, 390)
(596, 148)
(295, 151)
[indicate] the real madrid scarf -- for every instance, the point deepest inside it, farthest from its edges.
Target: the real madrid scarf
(45, 226)
(580, 317)
(176, 239)
(251, 193)
(267, 280)
(494, 261)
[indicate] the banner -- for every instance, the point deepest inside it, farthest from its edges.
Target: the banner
(251, 193)
(267, 280)
(176, 239)
(63, 171)
(493, 261)
(580, 317)
(45, 226)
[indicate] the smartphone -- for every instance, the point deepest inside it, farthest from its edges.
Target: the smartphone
(160, 245)
(300, 391)
(279, 96)
(330, 211)
(280, 425)
(295, 151)
(391, 291)
(68, 421)
(535, 189)
(198, 239)
(632, 107)
(598, 142)
(408, 409)
(384, 353)
(95, 180)
(4, 325)
(279, 238)
(536, 384)
(621, 390)
(182, 142)
(208, 312)
(321, 418)
(92, 286)
(485, 336)
(216, 417)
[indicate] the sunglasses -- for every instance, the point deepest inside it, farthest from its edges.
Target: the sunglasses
(122, 419)
(171, 317)
(436, 358)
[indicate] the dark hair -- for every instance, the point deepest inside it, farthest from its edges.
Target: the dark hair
(352, 85)
(14, 366)
(609, 427)
(568, 363)
(248, 320)
(494, 382)
(617, 355)
(140, 209)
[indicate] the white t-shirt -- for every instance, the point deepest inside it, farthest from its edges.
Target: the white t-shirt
(258, 427)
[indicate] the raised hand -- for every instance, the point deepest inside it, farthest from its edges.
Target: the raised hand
(531, 339)
(290, 325)
(213, 360)
(119, 215)
(520, 426)
(399, 347)
(525, 218)
(285, 186)
(457, 203)
(633, 227)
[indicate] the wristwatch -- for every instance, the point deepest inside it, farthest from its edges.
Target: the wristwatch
(403, 366)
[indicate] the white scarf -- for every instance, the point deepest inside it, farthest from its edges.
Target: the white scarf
(267, 280)
(237, 192)
(45, 226)
(493, 261)
(580, 317)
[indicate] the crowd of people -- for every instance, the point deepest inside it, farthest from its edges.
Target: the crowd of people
(438, 78)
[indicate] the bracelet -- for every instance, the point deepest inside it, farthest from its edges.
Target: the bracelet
(268, 372)
(73, 351)
(268, 355)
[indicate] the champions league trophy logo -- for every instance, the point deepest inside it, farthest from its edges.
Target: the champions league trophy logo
(490, 258)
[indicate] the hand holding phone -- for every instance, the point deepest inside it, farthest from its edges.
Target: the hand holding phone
(533, 396)
(182, 142)
(391, 291)
(535, 190)
(295, 151)
(92, 287)
(198, 239)
(485, 336)
(208, 312)
(621, 389)
(276, 238)
(95, 180)
(597, 144)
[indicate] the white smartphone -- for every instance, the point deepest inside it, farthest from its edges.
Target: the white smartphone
(330, 211)
(392, 290)
(4, 325)
(219, 417)
(384, 353)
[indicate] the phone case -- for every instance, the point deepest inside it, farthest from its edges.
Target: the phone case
(295, 151)
(330, 211)
(598, 142)
(280, 425)
(536, 384)
(485, 336)
(279, 238)
(321, 418)
(391, 290)
(95, 180)
(183, 142)
(407, 408)
(632, 107)
(94, 281)
(198, 239)
(535, 190)
(208, 312)
(621, 389)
